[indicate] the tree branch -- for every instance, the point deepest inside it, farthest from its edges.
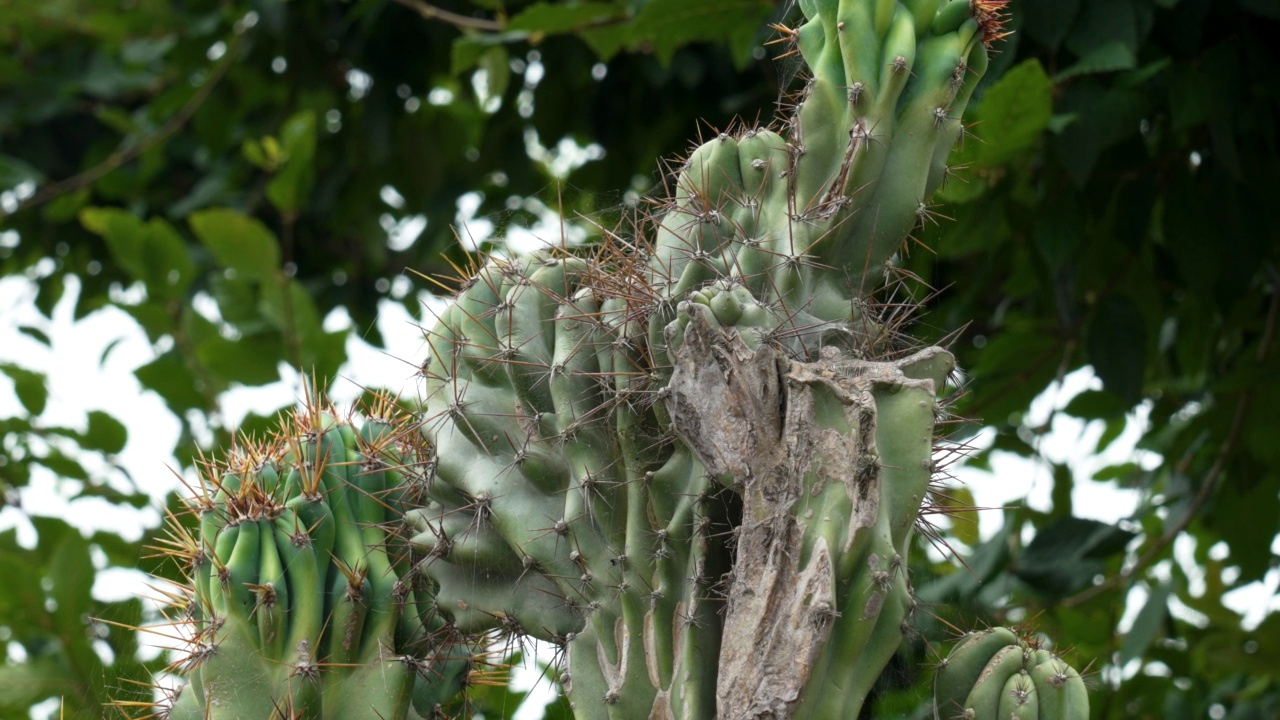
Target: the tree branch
(122, 157)
(431, 12)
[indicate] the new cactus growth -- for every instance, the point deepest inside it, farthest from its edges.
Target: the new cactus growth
(298, 602)
(995, 673)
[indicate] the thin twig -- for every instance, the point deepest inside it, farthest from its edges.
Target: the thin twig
(431, 12)
(122, 157)
(1207, 488)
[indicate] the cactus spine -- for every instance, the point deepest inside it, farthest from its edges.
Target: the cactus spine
(298, 601)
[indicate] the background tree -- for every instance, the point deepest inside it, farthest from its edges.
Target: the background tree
(273, 161)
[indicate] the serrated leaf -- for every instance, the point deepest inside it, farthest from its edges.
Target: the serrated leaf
(29, 386)
(105, 433)
(1013, 113)
(238, 242)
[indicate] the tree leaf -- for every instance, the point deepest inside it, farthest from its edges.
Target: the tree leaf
(238, 242)
(1116, 346)
(1013, 114)
(251, 360)
(169, 376)
(293, 180)
(1147, 625)
(152, 252)
(1095, 405)
(546, 18)
(1108, 57)
(105, 433)
(29, 386)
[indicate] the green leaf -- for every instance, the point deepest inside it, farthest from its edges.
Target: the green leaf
(238, 242)
(1064, 556)
(23, 685)
(14, 172)
(1013, 113)
(1117, 472)
(292, 183)
(1116, 346)
(143, 51)
(63, 466)
(152, 252)
(36, 333)
(251, 360)
(467, 51)
(1108, 57)
(553, 18)
(668, 25)
(1048, 22)
(29, 386)
(496, 64)
(1247, 517)
(105, 433)
(170, 377)
(1147, 625)
(1095, 405)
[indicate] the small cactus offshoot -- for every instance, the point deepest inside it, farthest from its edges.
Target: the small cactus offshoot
(298, 600)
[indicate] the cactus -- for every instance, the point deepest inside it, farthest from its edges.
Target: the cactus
(298, 602)
(692, 459)
(996, 673)
(695, 459)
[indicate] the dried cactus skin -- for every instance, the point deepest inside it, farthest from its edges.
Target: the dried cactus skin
(999, 674)
(299, 603)
(610, 432)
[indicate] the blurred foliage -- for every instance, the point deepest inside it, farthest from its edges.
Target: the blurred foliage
(272, 160)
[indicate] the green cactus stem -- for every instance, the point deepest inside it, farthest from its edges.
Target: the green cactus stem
(999, 674)
(612, 432)
(298, 601)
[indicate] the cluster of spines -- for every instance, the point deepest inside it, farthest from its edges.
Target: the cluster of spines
(298, 601)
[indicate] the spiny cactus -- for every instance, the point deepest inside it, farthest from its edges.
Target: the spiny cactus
(692, 458)
(996, 673)
(695, 459)
(298, 602)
